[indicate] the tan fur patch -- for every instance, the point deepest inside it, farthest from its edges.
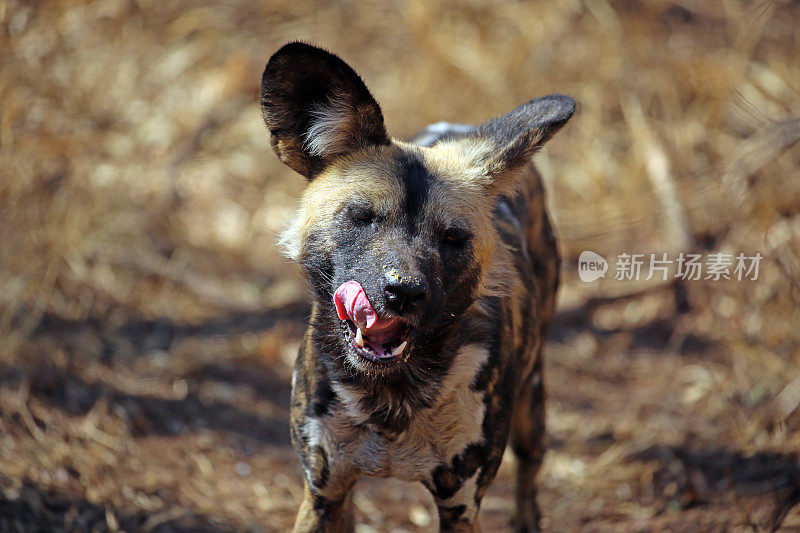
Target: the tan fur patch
(366, 174)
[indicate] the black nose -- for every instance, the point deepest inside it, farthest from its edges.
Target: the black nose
(403, 293)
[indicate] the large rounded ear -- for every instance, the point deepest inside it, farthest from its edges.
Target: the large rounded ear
(517, 135)
(317, 108)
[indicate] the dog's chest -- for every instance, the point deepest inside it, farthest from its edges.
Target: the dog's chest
(434, 436)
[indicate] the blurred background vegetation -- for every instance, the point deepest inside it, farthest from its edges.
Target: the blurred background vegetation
(148, 324)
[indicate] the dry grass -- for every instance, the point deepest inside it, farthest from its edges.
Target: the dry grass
(147, 324)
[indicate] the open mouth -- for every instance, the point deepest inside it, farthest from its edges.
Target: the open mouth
(384, 344)
(373, 337)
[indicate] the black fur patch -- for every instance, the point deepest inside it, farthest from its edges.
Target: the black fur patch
(450, 516)
(417, 182)
(321, 469)
(323, 398)
(448, 479)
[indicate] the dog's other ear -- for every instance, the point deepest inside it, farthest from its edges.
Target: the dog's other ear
(317, 108)
(518, 134)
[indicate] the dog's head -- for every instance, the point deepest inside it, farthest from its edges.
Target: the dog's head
(397, 240)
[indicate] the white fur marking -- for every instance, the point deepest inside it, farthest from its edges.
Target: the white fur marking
(350, 400)
(329, 131)
(465, 496)
(436, 131)
(291, 237)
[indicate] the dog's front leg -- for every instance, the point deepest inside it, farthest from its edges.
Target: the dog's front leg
(458, 508)
(453, 519)
(326, 505)
(319, 514)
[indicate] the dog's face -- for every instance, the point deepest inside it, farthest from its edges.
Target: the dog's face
(397, 240)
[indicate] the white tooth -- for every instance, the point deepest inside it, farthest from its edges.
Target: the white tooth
(397, 351)
(359, 338)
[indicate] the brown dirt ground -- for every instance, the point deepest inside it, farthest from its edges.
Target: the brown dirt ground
(148, 324)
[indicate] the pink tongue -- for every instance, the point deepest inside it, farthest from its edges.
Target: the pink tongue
(352, 303)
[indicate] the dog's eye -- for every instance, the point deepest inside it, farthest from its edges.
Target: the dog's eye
(455, 236)
(361, 215)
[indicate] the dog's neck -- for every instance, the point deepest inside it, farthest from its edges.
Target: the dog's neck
(388, 402)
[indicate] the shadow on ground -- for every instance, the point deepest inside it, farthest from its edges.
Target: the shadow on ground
(145, 415)
(35, 510)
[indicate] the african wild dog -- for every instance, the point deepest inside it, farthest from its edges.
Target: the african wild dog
(434, 271)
